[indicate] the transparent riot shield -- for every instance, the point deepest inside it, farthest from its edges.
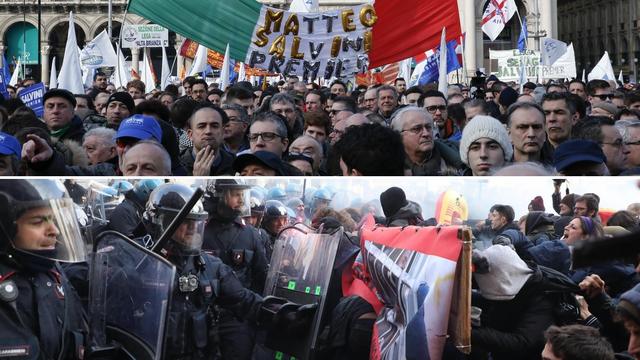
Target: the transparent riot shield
(300, 271)
(129, 298)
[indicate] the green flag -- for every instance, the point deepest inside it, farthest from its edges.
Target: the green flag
(212, 23)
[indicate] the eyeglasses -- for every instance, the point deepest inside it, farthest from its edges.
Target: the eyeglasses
(266, 136)
(307, 153)
(617, 144)
(633, 143)
(335, 112)
(604, 97)
(419, 128)
(433, 108)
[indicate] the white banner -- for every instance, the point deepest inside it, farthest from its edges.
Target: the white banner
(148, 35)
(509, 65)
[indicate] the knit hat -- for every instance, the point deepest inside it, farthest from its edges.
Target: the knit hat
(630, 304)
(506, 276)
(482, 126)
(569, 200)
(124, 98)
(507, 97)
(392, 200)
(537, 204)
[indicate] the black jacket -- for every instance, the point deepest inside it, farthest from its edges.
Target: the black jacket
(240, 247)
(46, 320)
(75, 131)
(222, 165)
(126, 218)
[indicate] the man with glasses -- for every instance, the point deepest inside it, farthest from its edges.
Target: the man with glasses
(424, 155)
(268, 132)
(310, 147)
(339, 126)
(436, 104)
(599, 91)
(199, 90)
(630, 131)
(235, 130)
(371, 99)
(602, 130)
(340, 104)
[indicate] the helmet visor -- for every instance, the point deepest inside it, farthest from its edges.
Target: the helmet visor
(190, 233)
(49, 229)
(238, 200)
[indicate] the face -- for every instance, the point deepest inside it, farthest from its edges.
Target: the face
(556, 89)
(135, 93)
(275, 225)
(573, 232)
(206, 129)
(547, 353)
(614, 148)
(306, 147)
(527, 131)
(97, 150)
(601, 95)
(187, 88)
(313, 102)
(564, 210)
(437, 107)
(188, 233)
(412, 99)
(257, 170)
(336, 109)
(81, 104)
(338, 89)
(36, 230)
(634, 338)
(287, 110)
(111, 88)
(633, 144)
(100, 82)
(235, 128)
(370, 100)
(199, 92)
(235, 199)
(578, 89)
(273, 143)
(316, 132)
(116, 112)
(12, 92)
(100, 102)
(339, 127)
(472, 111)
(580, 208)
(401, 86)
(417, 133)
(248, 104)
(58, 112)
(497, 220)
(485, 157)
(386, 101)
(144, 160)
(558, 120)
(489, 96)
(304, 166)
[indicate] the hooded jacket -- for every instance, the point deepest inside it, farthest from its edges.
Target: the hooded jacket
(410, 214)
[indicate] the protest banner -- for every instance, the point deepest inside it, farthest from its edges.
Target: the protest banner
(510, 61)
(147, 35)
(32, 97)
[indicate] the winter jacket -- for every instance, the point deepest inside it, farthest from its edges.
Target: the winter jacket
(222, 164)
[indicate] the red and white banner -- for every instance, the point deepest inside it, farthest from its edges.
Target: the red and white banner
(496, 16)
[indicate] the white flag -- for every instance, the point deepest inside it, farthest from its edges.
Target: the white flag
(122, 75)
(224, 72)
(70, 73)
(620, 78)
(99, 52)
(200, 61)
(304, 6)
(147, 74)
(496, 15)
(603, 69)
(584, 78)
(242, 76)
(551, 51)
(16, 74)
(442, 71)
(53, 76)
(166, 70)
(405, 69)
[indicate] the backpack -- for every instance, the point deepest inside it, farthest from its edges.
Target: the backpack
(562, 290)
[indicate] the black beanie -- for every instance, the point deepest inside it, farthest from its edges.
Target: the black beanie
(508, 96)
(124, 98)
(392, 200)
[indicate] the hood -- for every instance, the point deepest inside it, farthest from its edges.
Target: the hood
(553, 254)
(506, 276)
(536, 219)
(410, 214)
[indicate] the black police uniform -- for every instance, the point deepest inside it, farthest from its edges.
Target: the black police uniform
(239, 246)
(203, 281)
(45, 321)
(126, 218)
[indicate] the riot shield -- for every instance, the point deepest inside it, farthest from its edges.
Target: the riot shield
(300, 271)
(129, 298)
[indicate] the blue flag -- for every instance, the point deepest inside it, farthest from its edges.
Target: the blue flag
(522, 40)
(5, 68)
(430, 73)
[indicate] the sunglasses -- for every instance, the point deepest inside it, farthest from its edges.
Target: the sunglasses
(604, 97)
(433, 108)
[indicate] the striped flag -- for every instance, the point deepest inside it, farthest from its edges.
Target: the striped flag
(496, 16)
(384, 75)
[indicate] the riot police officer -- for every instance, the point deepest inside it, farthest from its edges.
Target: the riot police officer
(275, 219)
(202, 280)
(40, 313)
(321, 198)
(239, 246)
(126, 218)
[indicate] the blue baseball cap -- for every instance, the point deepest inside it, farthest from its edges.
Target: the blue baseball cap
(574, 151)
(140, 127)
(9, 145)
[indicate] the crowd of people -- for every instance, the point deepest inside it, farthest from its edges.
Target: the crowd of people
(296, 128)
(529, 299)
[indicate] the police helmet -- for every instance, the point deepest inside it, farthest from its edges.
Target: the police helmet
(277, 193)
(228, 198)
(122, 186)
(143, 188)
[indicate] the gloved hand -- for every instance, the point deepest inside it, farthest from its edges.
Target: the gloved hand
(480, 263)
(286, 316)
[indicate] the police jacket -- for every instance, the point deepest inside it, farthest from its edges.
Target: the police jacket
(202, 281)
(239, 246)
(45, 321)
(126, 218)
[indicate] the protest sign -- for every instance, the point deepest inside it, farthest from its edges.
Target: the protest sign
(32, 97)
(148, 35)
(510, 61)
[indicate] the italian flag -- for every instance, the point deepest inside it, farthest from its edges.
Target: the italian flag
(404, 28)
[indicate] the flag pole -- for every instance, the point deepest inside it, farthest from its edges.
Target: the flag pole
(465, 75)
(523, 68)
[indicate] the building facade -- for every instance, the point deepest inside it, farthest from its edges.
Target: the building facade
(604, 25)
(19, 29)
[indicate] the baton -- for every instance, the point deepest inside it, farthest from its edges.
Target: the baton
(182, 214)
